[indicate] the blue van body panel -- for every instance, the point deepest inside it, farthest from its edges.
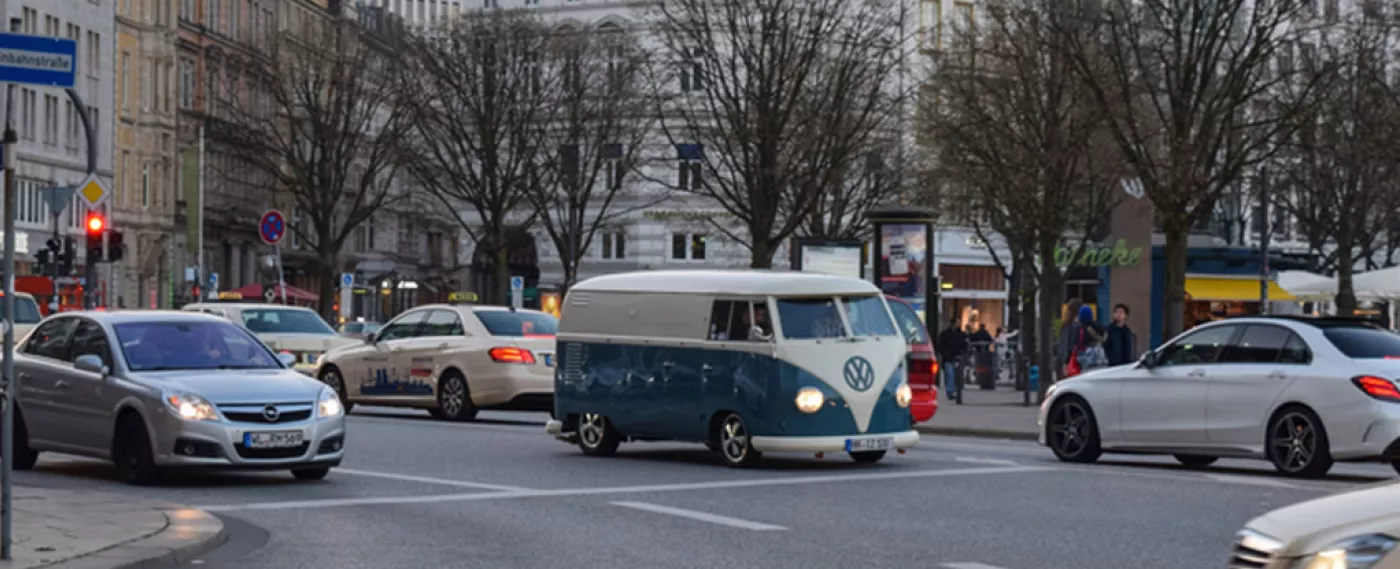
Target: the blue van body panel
(643, 397)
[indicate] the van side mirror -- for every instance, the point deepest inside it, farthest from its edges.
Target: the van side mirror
(91, 363)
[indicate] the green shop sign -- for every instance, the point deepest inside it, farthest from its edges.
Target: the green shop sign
(1119, 255)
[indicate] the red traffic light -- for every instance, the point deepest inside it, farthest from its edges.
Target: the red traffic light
(95, 223)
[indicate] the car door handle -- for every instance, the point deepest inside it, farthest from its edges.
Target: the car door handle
(1276, 375)
(1197, 373)
(707, 367)
(60, 384)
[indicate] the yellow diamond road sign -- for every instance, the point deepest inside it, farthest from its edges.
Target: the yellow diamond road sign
(93, 191)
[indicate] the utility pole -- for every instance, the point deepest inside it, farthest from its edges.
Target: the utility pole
(7, 441)
(1264, 240)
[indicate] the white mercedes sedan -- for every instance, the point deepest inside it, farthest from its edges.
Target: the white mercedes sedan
(1302, 393)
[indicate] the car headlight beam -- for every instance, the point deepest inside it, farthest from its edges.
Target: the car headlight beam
(189, 406)
(329, 404)
(903, 395)
(1359, 552)
(809, 400)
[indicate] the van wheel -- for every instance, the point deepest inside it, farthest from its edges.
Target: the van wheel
(596, 436)
(736, 443)
(454, 399)
(868, 456)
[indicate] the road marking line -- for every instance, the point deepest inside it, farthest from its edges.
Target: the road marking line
(973, 460)
(968, 565)
(654, 488)
(429, 480)
(701, 516)
(413, 421)
(1250, 481)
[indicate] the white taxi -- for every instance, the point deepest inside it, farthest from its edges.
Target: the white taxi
(289, 329)
(451, 360)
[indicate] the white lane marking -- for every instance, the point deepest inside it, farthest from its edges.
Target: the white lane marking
(428, 480)
(700, 516)
(654, 488)
(1250, 481)
(974, 460)
(968, 565)
(409, 420)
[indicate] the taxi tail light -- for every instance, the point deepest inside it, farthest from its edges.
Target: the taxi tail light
(1377, 387)
(512, 356)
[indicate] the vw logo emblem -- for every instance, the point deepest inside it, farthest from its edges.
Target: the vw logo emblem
(271, 414)
(860, 375)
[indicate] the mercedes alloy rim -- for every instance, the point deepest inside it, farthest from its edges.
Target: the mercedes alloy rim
(452, 397)
(1294, 442)
(1070, 428)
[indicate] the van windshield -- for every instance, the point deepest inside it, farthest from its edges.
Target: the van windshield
(820, 318)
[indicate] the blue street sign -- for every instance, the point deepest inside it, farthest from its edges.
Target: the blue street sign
(213, 281)
(517, 283)
(38, 60)
(347, 279)
(272, 227)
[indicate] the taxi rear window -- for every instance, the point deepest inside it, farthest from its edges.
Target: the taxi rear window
(518, 324)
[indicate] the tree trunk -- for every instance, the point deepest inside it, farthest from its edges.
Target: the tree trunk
(1014, 299)
(1174, 283)
(501, 271)
(326, 270)
(1051, 291)
(1029, 327)
(1346, 288)
(763, 248)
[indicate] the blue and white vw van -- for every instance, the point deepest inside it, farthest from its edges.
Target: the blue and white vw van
(746, 362)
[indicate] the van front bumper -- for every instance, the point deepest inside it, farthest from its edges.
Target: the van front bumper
(901, 440)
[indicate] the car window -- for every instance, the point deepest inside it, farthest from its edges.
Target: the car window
(284, 321)
(909, 323)
(26, 310)
(50, 339)
(353, 327)
(868, 316)
(518, 323)
(1295, 351)
(810, 318)
(157, 345)
(441, 323)
(1200, 347)
(90, 339)
(733, 320)
(1364, 342)
(405, 326)
(1259, 344)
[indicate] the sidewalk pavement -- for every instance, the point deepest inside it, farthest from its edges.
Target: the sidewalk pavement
(999, 414)
(65, 529)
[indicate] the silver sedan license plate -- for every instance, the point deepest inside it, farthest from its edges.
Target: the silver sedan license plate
(273, 439)
(869, 443)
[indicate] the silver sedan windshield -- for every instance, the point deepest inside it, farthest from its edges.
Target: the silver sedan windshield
(156, 346)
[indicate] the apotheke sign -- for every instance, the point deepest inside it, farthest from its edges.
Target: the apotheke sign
(1117, 256)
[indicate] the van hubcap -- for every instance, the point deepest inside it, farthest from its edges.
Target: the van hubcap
(452, 397)
(590, 429)
(734, 438)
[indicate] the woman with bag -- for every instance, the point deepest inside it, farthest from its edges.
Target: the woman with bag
(1088, 350)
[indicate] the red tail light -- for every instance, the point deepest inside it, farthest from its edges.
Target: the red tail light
(512, 356)
(1377, 387)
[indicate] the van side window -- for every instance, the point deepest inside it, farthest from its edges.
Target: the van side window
(734, 320)
(721, 320)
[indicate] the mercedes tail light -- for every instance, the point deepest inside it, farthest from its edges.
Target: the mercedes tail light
(1378, 387)
(512, 356)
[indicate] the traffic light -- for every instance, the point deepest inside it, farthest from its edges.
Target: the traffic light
(95, 225)
(70, 254)
(115, 249)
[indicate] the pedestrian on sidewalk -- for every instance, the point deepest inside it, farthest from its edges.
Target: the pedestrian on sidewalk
(1088, 352)
(1069, 335)
(952, 344)
(1121, 345)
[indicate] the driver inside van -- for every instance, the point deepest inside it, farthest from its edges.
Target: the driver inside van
(759, 330)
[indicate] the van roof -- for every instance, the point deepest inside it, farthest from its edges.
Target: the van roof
(737, 282)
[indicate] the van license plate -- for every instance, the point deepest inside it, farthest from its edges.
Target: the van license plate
(549, 360)
(870, 443)
(276, 439)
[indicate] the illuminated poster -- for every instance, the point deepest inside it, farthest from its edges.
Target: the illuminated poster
(831, 260)
(905, 257)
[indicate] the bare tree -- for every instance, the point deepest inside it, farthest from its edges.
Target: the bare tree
(597, 130)
(478, 90)
(1340, 163)
(319, 120)
(1021, 145)
(780, 102)
(1183, 77)
(874, 181)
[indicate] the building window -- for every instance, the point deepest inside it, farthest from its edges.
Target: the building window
(31, 21)
(146, 185)
(122, 175)
(149, 79)
(689, 168)
(29, 103)
(692, 70)
(51, 120)
(688, 246)
(235, 14)
(126, 82)
(94, 53)
(70, 117)
(295, 226)
(187, 84)
(96, 119)
(614, 245)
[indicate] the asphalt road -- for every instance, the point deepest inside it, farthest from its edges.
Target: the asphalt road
(501, 494)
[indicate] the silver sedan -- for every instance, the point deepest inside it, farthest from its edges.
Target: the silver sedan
(155, 391)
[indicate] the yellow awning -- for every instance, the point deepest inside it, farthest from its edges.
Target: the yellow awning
(1246, 290)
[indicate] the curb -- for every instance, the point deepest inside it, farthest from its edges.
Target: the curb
(987, 433)
(188, 534)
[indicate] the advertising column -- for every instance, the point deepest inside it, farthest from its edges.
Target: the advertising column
(903, 259)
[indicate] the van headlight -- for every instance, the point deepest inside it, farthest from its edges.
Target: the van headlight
(329, 405)
(903, 395)
(1360, 552)
(810, 400)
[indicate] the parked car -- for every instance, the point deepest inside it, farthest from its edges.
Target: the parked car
(292, 329)
(154, 390)
(27, 314)
(1358, 530)
(1300, 392)
(922, 362)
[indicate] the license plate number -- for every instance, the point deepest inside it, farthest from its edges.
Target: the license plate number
(871, 443)
(549, 360)
(277, 439)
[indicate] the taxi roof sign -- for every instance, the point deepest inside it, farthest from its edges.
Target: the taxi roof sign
(93, 191)
(462, 297)
(230, 295)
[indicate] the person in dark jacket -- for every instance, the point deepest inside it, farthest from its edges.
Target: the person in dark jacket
(952, 344)
(1121, 344)
(1069, 335)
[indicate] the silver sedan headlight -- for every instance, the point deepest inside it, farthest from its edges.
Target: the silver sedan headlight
(1360, 552)
(329, 404)
(189, 406)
